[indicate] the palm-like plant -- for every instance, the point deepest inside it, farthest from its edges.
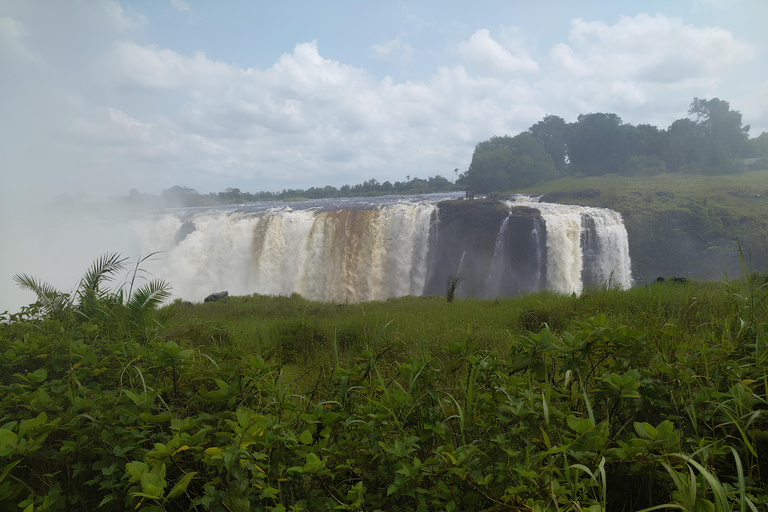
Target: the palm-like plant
(125, 310)
(144, 299)
(54, 303)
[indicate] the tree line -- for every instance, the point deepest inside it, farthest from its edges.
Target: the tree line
(711, 140)
(184, 196)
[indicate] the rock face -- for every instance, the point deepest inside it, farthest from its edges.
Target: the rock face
(497, 251)
(185, 229)
(216, 296)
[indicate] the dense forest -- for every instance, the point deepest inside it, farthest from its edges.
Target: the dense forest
(711, 140)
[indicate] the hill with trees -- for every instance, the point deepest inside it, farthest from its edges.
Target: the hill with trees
(711, 140)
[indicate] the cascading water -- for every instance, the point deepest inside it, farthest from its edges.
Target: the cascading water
(497, 261)
(372, 249)
(538, 256)
(585, 246)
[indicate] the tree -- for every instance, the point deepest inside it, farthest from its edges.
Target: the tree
(598, 143)
(682, 146)
(507, 163)
(650, 141)
(123, 311)
(758, 147)
(439, 184)
(720, 135)
(552, 131)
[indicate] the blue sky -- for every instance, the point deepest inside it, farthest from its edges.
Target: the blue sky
(102, 97)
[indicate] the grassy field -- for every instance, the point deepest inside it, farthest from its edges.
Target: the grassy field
(308, 330)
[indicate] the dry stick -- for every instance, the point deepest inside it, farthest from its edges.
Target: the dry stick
(376, 360)
(337, 500)
(317, 385)
(365, 327)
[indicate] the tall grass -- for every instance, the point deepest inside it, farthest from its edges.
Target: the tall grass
(652, 398)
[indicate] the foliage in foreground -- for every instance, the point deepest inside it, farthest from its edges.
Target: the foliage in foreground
(591, 416)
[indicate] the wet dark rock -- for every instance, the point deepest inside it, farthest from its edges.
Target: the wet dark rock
(185, 229)
(216, 296)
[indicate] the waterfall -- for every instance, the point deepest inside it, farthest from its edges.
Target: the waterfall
(339, 255)
(536, 244)
(377, 248)
(493, 281)
(585, 246)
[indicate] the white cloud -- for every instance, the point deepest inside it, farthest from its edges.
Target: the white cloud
(131, 114)
(647, 48)
(12, 34)
(394, 50)
(124, 120)
(644, 61)
(182, 6)
(492, 57)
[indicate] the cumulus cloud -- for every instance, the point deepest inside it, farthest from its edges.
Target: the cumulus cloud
(492, 57)
(128, 113)
(655, 49)
(649, 62)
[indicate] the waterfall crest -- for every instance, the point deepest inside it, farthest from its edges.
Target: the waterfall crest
(376, 250)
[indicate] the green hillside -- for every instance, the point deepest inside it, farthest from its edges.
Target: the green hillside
(685, 225)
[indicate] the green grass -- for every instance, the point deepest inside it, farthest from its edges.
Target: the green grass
(425, 325)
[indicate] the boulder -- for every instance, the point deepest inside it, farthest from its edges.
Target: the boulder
(216, 296)
(185, 229)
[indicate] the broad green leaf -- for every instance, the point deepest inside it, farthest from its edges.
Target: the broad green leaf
(8, 469)
(665, 430)
(136, 469)
(313, 462)
(306, 437)
(8, 440)
(38, 375)
(153, 483)
(330, 418)
(181, 485)
(579, 426)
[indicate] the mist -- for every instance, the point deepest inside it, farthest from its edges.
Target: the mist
(56, 242)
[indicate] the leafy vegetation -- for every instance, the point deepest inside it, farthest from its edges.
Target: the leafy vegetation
(509, 163)
(713, 143)
(651, 398)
